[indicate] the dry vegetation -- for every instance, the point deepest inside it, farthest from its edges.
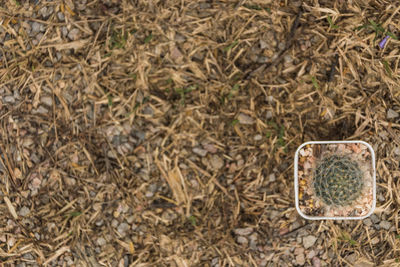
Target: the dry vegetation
(162, 132)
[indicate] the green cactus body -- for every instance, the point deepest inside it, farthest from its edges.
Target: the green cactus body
(338, 180)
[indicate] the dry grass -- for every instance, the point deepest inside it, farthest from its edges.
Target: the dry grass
(208, 75)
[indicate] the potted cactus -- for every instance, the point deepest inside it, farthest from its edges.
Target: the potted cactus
(335, 180)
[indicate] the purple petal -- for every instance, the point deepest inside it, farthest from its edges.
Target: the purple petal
(383, 42)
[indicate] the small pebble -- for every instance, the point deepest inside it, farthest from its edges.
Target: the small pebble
(288, 59)
(367, 222)
(74, 34)
(43, 12)
(122, 228)
(242, 240)
(216, 162)
(179, 38)
(60, 16)
(245, 119)
(149, 194)
(309, 241)
(101, 241)
(47, 100)
(243, 231)
(24, 211)
(257, 137)
(300, 260)
(375, 240)
(391, 114)
(375, 219)
(35, 27)
(272, 177)
(385, 225)
(351, 258)
(140, 134)
(64, 31)
(311, 254)
(199, 151)
(40, 110)
(298, 251)
(9, 99)
(263, 44)
(114, 223)
(210, 148)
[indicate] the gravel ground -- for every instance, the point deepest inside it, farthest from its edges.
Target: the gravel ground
(162, 133)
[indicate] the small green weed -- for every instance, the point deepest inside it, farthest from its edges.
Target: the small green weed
(232, 45)
(118, 40)
(192, 220)
(387, 68)
(148, 38)
(110, 102)
(74, 214)
(280, 131)
(234, 89)
(315, 82)
(379, 30)
(256, 7)
(234, 122)
(347, 238)
(331, 24)
(183, 91)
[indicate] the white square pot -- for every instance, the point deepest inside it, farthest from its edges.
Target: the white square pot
(308, 161)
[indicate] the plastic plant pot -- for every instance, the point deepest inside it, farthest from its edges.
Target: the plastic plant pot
(335, 180)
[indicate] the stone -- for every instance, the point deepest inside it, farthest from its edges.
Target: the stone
(363, 264)
(351, 258)
(391, 114)
(35, 27)
(309, 241)
(367, 222)
(385, 225)
(263, 44)
(375, 240)
(47, 100)
(245, 119)
(311, 254)
(300, 260)
(122, 228)
(257, 137)
(243, 231)
(199, 151)
(272, 177)
(288, 58)
(60, 16)
(216, 162)
(40, 110)
(9, 99)
(316, 262)
(242, 240)
(74, 34)
(299, 251)
(101, 241)
(375, 219)
(24, 211)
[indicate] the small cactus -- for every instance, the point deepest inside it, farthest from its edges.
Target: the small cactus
(338, 180)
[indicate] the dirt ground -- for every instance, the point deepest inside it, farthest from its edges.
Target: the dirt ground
(163, 132)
